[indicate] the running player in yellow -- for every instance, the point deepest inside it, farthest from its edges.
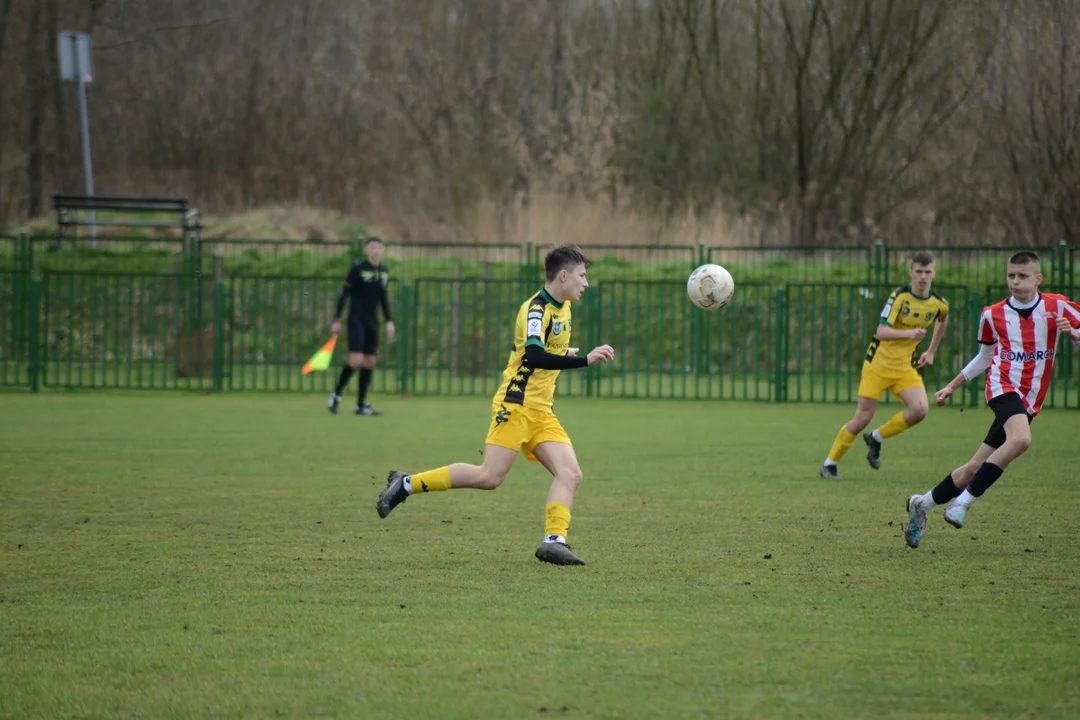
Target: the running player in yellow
(521, 414)
(893, 363)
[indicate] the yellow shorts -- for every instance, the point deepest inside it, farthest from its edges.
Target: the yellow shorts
(521, 428)
(874, 382)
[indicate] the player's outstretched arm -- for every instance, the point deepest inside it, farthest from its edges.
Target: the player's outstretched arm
(927, 358)
(541, 359)
(972, 370)
(884, 332)
(601, 354)
(1065, 326)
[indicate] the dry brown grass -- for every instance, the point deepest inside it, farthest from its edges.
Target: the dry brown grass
(548, 218)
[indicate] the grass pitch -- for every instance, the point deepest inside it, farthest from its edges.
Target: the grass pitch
(166, 555)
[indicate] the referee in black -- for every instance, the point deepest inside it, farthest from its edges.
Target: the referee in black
(364, 289)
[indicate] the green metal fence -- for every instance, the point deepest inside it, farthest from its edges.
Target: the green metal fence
(141, 313)
(798, 342)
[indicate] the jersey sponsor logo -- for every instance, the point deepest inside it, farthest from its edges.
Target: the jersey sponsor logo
(888, 308)
(1029, 356)
(906, 311)
(556, 327)
(534, 326)
(502, 416)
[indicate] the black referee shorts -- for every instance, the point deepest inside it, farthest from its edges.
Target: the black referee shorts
(362, 336)
(1004, 407)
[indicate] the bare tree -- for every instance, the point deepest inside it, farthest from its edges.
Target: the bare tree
(913, 118)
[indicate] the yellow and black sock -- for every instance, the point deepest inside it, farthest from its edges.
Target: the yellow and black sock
(430, 481)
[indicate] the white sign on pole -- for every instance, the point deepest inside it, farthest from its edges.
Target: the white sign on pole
(75, 57)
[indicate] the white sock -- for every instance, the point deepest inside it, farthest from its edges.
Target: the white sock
(408, 484)
(554, 539)
(877, 436)
(927, 500)
(966, 498)
(830, 462)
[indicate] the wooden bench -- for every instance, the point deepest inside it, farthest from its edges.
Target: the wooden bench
(73, 211)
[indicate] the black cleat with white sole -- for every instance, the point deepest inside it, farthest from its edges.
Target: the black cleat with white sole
(557, 553)
(394, 494)
(830, 472)
(873, 453)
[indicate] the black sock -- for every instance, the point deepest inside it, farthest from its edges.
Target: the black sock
(945, 491)
(343, 379)
(986, 476)
(365, 381)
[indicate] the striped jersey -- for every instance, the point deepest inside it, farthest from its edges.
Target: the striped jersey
(1026, 343)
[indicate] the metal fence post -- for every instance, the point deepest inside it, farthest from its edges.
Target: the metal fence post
(780, 365)
(34, 339)
(881, 265)
(1070, 274)
(404, 333)
(219, 334)
(20, 300)
(975, 311)
(1060, 269)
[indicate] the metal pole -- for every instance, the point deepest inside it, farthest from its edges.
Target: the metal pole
(88, 173)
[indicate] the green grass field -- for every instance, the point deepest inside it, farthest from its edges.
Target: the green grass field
(168, 555)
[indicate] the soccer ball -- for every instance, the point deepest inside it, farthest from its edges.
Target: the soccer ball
(710, 287)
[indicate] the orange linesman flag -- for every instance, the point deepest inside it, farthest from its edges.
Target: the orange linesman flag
(321, 359)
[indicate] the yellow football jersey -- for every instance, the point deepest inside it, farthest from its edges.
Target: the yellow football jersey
(905, 311)
(544, 322)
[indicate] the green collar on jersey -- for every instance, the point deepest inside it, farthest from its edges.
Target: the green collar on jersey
(547, 296)
(911, 289)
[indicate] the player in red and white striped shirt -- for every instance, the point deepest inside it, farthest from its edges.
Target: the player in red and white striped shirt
(1019, 338)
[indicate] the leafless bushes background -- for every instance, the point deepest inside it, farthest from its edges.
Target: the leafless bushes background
(732, 121)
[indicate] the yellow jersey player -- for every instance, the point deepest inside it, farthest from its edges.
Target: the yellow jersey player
(893, 362)
(521, 414)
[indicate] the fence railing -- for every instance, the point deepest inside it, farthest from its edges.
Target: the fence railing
(782, 342)
(870, 265)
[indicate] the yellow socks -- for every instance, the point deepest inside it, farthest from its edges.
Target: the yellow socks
(556, 519)
(431, 481)
(841, 445)
(895, 426)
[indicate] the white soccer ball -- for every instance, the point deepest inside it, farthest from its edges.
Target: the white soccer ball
(710, 287)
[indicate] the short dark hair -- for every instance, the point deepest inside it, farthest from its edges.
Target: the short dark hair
(371, 239)
(922, 258)
(563, 257)
(1024, 257)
